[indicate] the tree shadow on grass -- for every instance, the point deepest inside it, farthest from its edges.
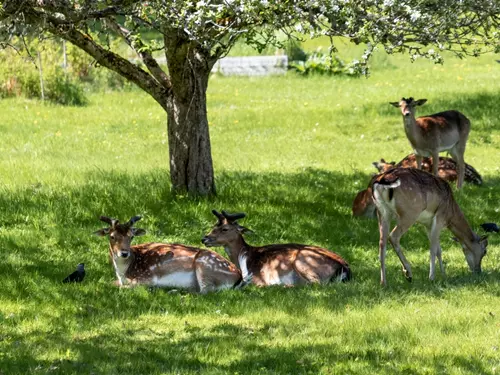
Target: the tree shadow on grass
(231, 348)
(46, 232)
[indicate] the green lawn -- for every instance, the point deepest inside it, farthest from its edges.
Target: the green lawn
(291, 153)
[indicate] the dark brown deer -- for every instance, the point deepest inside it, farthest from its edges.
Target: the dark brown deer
(286, 264)
(411, 195)
(447, 168)
(165, 265)
(429, 135)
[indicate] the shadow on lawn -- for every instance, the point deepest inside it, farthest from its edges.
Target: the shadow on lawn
(189, 350)
(48, 232)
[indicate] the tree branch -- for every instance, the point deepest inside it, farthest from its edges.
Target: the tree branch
(104, 57)
(138, 47)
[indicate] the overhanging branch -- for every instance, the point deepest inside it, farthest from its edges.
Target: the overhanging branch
(138, 47)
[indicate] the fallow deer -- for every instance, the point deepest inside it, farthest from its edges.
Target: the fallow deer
(429, 135)
(363, 205)
(165, 265)
(286, 264)
(411, 195)
(447, 168)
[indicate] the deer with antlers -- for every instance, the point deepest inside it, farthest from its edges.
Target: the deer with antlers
(286, 264)
(411, 195)
(429, 135)
(165, 265)
(447, 168)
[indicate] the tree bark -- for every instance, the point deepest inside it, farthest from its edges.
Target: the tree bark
(191, 168)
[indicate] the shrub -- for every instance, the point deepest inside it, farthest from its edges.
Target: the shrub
(322, 63)
(63, 89)
(19, 74)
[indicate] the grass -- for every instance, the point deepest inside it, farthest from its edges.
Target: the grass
(291, 153)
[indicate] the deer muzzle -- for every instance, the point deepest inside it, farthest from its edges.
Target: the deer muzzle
(124, 253)
(208, 241)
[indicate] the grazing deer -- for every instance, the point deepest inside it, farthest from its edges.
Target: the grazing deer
(165, 265)
(411, 195)
(429, 135)
(447, 168)
(287, 264)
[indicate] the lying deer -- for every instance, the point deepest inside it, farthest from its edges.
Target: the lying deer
(287, 264)
(447, 168)
(411, 195)
(429, 135)
(165, 265)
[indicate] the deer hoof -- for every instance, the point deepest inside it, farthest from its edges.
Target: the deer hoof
(407, 275)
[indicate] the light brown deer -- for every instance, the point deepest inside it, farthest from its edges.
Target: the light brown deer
(447, 168)
(429, 135)
(165, 265)
(411, 195)
(286, 264)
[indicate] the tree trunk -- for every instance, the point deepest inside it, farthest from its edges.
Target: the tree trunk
(191, 168)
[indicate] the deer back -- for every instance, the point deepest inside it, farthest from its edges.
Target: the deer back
(412, 193)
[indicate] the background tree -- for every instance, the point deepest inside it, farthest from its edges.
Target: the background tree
(195, 34)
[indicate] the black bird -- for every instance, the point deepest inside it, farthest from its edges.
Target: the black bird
(490, 227)
(76, 276)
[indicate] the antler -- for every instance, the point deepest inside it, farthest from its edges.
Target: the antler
(219, 216)
(110, 221)
(233, 217)
(133, 220)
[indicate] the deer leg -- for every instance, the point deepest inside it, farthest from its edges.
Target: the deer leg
(435, 162)
(395, 236)
(457, 153)
(383, 226)
(435, 249)
(418, 159)
(440, 260)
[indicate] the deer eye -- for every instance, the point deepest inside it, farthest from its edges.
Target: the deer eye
(112, 236)
(225, 229)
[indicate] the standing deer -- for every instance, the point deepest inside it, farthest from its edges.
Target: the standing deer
(287, 264)
(447, 168)
(411, 195)
(165, 265)
(429, 135)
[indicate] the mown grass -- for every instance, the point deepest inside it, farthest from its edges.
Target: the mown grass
(291, 153)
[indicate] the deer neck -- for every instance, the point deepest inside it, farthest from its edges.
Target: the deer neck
(460, 227)
(410, 124)
(121, 266)
(235, 249)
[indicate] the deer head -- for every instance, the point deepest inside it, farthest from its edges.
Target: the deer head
(226, 230)
(407, 106)
(474, 251)
(383, 166)
(120, 235)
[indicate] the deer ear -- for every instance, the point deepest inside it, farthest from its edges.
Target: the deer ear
(102, 232)
(138, 232)
(420, 101)
(395, 104)
(242, 229)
